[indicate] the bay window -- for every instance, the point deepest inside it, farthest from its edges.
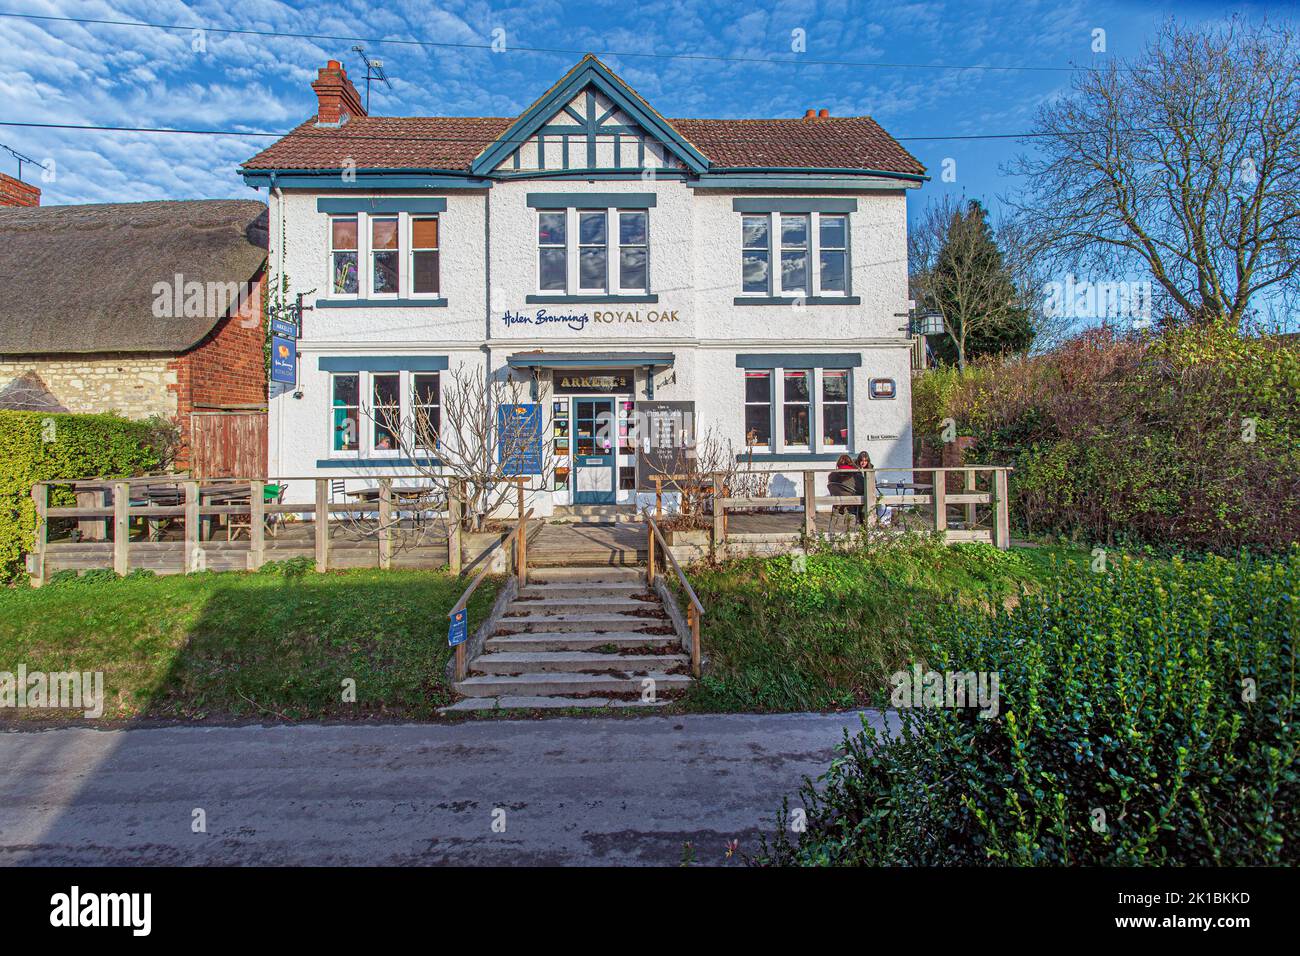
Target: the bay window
(811, 251)
(375, 413)
(384, 256)
(593, 252)
(809, 408)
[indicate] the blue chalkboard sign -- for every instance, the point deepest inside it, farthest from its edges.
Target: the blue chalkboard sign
(284, 360)
(458, 629)
(519, 438)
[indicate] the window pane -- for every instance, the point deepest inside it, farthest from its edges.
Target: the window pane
(833, 232)
(550, 228)
(425, 388)
(386, 272)
(553, 269)
(832, 278)
(591, 268)
(387, 389)
(754, 232)
(344, 233)
(758, 425)
(835, 386)
(796, 424)
(345, 272)
(345, 390)
(632, 273)
(754, 267)
(424, 272)
(794, 231)
(835, 425)
(591, 228)
(794, 271)
(344, 412)
(796, 386)
(632, 228)
(383, 233)
(424, 233)
(758, 387)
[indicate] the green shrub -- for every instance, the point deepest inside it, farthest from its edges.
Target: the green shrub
(35, 447)
(1146, 717)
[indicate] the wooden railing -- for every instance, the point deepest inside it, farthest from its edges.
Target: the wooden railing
(695, 610)
(520, 537)
(911, 497)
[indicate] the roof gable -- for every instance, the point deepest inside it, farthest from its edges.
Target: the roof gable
(592, 110)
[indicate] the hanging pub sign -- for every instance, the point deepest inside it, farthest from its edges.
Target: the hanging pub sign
(286, 330)
(586, 381)
(519, 438)
(284, 360)
(665, 440)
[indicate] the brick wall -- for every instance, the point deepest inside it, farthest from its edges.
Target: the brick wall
(227, 368)
(15, 192)
(134, 386)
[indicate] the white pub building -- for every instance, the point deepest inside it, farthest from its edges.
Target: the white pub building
(750, 273)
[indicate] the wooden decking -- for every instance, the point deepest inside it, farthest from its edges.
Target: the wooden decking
(588, 545)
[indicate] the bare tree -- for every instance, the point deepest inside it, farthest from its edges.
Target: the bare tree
(464, 429)
(959, 270)
(693, 469)
(1183, 164)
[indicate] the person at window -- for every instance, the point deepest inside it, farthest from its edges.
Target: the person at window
(862, 465)
(385, 443)
(840, 482)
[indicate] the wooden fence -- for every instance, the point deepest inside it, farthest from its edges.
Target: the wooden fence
(175, 525)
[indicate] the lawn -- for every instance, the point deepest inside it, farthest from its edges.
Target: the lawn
(825, 632)
(270, 645)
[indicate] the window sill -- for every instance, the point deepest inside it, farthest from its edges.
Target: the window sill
(793, 300)
(430, 303)
(381, 462)
(781, 456)
(595, 299)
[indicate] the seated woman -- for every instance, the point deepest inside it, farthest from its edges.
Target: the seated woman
(842, 482)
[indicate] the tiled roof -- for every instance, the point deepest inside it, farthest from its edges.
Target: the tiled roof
(452, 142)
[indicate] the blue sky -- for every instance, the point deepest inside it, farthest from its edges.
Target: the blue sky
(66, 73)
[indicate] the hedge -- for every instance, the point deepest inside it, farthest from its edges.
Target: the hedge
(35, 446)
(1147, 716)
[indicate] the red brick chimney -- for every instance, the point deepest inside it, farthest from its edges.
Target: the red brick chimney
(15, 192)
(823, 114)
(811, 114)
(336, 96)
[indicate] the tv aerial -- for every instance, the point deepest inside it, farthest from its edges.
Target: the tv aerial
(374, 71)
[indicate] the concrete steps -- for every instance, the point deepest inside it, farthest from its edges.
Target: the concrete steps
(575, 637)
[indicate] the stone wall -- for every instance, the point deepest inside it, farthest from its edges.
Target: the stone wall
(134, 386)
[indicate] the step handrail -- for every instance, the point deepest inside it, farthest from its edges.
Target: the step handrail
(461, 663)
(695, 610)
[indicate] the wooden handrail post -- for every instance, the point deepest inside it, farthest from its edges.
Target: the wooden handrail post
(1002, 515)
(659, 496)
(385, 522)
(870, 495)
(693, 618)
(41, 502)
(121, 526)
(939, 496)
(461, 668)
(191, 525)
(256, 524)
(521, 545)
(455, 503)
(970, 490)
(321, 529)
(719, 514)
(650, 555)
(810, 503)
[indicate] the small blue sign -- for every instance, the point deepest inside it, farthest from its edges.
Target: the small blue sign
(286, 330)
(284, 360)
(458, 629)
(519, 438)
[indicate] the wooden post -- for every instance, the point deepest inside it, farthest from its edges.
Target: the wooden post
(650, 555)
(41, 501)
(719, 513)
(810, 503)
(870, 495)
(694, 618)
(92, 529)
(385, 522)
(970, 490)
(455, 500)
(939, 497)
(521, 547)
(256, 524)
(461, 669)
(1002, 515)
(191, 526)
(121, 526)
(322, 523)
(659, 496)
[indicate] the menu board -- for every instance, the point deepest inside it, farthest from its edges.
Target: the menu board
(665, 440)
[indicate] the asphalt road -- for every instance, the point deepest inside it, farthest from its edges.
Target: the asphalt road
(567, 791)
